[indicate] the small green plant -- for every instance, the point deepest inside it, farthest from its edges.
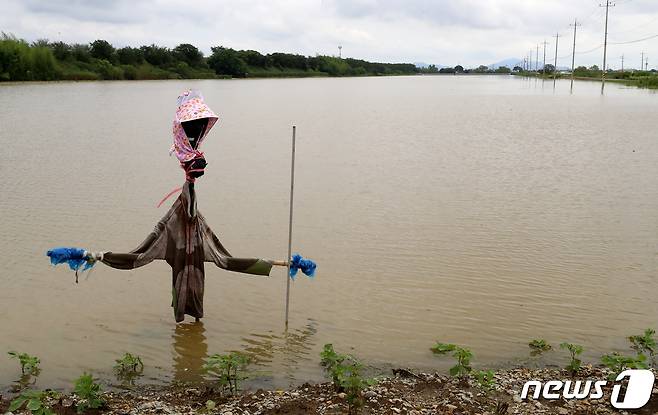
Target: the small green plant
(441, 348)
(228, 369)
(35, 401)
(88, 392)
(618, 363)
(331, 362)
(29, 364)
(645, 344)
(462, 354)
(575, 350)
(539, 346)
(485, 379)
(354, 383)
(129, 367)
(346, 375)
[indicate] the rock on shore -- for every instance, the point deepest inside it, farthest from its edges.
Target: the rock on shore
(404, 393)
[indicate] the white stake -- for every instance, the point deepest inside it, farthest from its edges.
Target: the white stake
(292, 189)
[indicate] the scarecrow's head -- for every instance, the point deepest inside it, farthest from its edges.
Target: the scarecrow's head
(192, 122)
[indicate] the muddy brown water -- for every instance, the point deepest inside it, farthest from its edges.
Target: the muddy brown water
(484, 211)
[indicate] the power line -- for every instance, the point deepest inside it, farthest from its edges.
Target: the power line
(635, 29)
(634, 41)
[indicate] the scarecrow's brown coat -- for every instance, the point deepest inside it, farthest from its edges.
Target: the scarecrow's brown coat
(185, 241)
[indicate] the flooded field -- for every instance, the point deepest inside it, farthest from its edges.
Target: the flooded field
(478, 210)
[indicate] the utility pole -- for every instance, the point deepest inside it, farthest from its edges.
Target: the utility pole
(544, 68)
(340, 52)
(642, 62)
(557, 36)
(646, 64)
(622, 63)
(573, 56)
(605, 43)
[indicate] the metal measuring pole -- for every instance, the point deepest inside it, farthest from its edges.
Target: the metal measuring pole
(292, 189)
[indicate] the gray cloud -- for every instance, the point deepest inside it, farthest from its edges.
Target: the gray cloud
(106, 11)
(469, 32)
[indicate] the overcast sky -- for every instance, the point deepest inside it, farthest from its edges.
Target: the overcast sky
(448, 32)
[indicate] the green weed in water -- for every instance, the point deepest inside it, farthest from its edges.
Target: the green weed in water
(575, 350)
(129, 367)
(461, 354)
(346, 374)
(29, 364)
(88, 392)
(618, 363)
(539, 346)
(228, 369)
(645, 344)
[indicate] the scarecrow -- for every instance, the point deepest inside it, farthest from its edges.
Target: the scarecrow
(182, 237)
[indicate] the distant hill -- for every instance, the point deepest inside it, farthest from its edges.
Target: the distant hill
(509, 62)
(424, 65)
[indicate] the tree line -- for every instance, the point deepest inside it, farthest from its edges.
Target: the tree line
(482, 69)
(44, 60)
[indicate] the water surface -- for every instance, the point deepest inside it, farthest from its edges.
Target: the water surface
(484, 211)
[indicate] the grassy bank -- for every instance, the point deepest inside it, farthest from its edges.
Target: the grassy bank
(403, 392)
(641, 79)
(352, 388)
(99, 60)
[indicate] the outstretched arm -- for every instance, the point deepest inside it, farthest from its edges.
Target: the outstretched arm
(153, 247)
(215, 252)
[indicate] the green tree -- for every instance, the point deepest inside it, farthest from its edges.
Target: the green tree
(432, 69)
(14, 59)
(459, 69)
(334, 66)
(157, 55)
(581, 71)
(43, 64)
(503, 69)
(130, 56)
(288, 60)
(40, 43)
(226, 61)
(81, 52)
(101, 49)
(108, 71)
(189, 54)
(255, 59)
(61, 50)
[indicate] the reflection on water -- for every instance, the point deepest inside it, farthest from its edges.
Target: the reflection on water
(269, 354)
(283, 352)
(190, 351)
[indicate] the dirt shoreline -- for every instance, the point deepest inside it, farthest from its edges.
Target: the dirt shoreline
(402, 393)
